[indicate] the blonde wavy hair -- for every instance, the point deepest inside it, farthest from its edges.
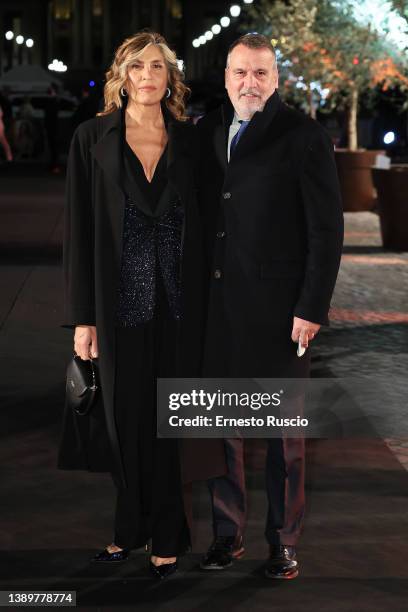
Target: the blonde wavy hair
(126, 55)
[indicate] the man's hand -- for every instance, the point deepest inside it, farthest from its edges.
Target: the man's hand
(305, 330)
(86, 342)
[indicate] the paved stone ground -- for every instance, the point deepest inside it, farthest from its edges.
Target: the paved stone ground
(369, 319)
(52, 522)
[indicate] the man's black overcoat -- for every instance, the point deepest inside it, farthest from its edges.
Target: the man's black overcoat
(95, 204)
(274, 229)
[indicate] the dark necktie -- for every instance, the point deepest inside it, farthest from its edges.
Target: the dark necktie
(235, 140)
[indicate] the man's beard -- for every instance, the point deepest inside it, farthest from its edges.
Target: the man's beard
(250, 106)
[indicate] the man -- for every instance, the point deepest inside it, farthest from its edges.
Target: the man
(273, 222)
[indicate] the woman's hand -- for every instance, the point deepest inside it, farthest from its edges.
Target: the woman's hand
(86, 342)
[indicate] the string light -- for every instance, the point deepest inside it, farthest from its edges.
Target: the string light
(234, 10)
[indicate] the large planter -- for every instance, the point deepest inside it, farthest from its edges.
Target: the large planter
(392, 194)
(356, 185)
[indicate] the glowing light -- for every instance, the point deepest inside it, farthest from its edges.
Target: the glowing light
(91, 83)
(209, 35)
(9, 35)
(225, 21)
(196, 43)
(202, 39)
(57, 66)
(235, 10)
(29, 43)
(180, 65)
(383, 18)
(248, 1)
(216, 28)
(19, 39)
(300, 85)
(389, 138)
(356, 61)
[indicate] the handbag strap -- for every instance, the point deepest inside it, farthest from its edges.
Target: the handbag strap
(94, 385)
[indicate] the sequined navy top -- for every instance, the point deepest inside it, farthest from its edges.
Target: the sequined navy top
(152, 235)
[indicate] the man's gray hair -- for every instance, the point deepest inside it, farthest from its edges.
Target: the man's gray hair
(253, 40)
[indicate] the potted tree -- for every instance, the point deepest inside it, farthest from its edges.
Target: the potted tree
(332, 56)
(392, 190)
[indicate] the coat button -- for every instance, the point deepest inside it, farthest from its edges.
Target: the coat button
(220, 234)
(217, 274)
(226, 195)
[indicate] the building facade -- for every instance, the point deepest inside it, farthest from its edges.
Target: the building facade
(83, 34)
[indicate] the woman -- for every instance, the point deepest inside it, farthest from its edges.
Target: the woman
(133, 280)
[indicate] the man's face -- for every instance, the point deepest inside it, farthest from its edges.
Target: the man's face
(251, 77)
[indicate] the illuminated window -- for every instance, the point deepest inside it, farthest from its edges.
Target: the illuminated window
(97, 8)
(62, 9)
(175, 9)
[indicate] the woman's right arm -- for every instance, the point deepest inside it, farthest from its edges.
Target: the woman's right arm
(78, 256)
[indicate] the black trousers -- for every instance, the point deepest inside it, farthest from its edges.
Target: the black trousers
(284, 469)
(284, 476)
(151, 506)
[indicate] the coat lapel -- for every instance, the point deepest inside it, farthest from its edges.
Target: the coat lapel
(257, 127)
(221, 134)
(179, 153)
(108, 150)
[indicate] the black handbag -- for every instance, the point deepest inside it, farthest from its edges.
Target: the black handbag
(82, 385)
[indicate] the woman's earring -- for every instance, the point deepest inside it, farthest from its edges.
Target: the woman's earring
(123, 92)
(168, 92)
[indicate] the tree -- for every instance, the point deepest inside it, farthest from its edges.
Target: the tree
(331, 53)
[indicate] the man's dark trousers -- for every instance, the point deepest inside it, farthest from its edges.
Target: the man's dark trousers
(284, 473)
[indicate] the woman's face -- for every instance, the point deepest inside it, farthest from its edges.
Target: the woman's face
(148, 77)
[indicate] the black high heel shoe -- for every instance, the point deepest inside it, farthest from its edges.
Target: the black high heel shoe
(106, 557)
(163, 571)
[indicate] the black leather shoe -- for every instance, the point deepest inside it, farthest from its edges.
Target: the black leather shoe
(282, 563)
(222, 553)
(106, 557)
(163, 571)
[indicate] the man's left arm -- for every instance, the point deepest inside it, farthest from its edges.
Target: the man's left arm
(325, 227)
